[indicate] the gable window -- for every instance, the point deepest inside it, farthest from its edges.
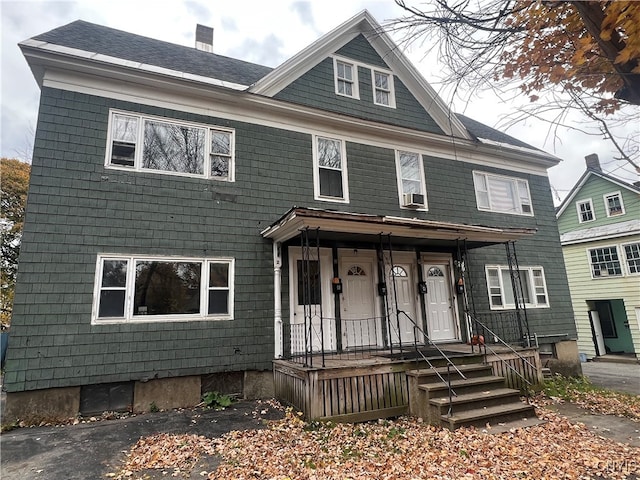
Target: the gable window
(585, 211)
(152, 144)
(410, 174)
(163, 289)
(613, 204)
(346, 78)
(383, 93)
(632, 257)
(500, 287)
(330, 172)
(496, 193)
(605, 262)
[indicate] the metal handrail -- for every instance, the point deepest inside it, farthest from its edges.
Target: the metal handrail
(500, 340)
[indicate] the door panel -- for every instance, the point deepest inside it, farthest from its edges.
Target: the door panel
(439, 304)
(359, 323)
(401, 286)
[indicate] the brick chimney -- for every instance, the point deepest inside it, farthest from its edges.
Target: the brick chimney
(593, 162)
(204, 38)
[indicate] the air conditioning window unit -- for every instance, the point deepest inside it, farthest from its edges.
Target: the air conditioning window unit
(413, 200)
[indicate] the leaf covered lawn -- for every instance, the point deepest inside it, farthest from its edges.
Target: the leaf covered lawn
(402, 449)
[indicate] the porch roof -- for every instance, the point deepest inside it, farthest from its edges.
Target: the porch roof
(362, 226)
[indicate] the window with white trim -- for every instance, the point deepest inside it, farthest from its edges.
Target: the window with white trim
(151, 144)
(497, 193)
(411, 184)
(346, 78)
(383, 92)
(632, 257)
(500, 287)
(162, 289)
(585, 211)
(605, 262)
(613, 204)
(330, 170)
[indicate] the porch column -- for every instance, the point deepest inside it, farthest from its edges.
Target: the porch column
(277, 299)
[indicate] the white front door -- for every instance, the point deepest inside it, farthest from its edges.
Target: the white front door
(311, 301)
(403, 296)
(439, 303)
(360, 326)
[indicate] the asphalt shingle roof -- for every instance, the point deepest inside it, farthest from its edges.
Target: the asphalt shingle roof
(95, 38)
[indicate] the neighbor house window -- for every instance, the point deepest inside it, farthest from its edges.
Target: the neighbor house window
(605, 262)
(613, 204)
(497, 193)
(346, 78)
(330, 172)
(150, 289)
(632, 257)
(160, 145)
(383, 93)
(585, 211)
(410, 174)
(500, 287)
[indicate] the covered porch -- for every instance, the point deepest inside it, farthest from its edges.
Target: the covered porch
(370, 298)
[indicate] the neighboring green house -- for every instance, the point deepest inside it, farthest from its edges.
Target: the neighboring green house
(599, 224)
(192, 217)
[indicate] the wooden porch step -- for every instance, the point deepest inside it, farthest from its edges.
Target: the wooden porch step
(493, 415)
(428, 375)
(468, 401)
(461, 386)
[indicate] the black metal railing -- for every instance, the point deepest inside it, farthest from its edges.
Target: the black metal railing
(506, 326)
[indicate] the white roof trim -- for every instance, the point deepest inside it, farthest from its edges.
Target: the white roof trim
(585, 176)
(98, 57)
(621, 229)
(516, 147)
(326, 45)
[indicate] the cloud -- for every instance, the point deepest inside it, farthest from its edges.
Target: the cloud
(267, 51)
(305, 13)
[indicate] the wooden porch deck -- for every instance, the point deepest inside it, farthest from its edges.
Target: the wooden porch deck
(373, 385)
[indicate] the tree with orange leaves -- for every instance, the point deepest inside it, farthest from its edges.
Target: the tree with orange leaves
(564, 55)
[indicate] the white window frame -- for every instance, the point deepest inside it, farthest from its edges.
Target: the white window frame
(606, 198)
(586, 201)
(390, 91)
(607, 275)
(626, 259)
(520, 187)
(533, 293)
(343, 169)
(355, 90)
(399, 178)
(130, 317)
(138, 155)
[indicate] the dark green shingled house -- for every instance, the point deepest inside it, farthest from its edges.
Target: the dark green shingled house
(194, 220)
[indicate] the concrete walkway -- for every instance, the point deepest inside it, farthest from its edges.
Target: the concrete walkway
(622, 377)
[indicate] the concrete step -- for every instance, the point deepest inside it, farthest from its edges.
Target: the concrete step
(492, 415)
(428, 375)
(469, 401)
(460, 386)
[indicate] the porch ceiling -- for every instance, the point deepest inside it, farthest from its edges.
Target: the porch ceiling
(359, 226)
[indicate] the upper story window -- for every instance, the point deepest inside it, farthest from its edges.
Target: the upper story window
(496, 193)
(144, 143)
(346, 78)
(330, 170)
(585, 211)
(162, 289)
(605, 262)
(383, 93)
(632, 256)
(411, 184)
(613, 204)
(500, 286)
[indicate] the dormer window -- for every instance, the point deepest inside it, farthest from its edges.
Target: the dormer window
(346, 78)
(383, 88)
(613, 204)
(585, 211)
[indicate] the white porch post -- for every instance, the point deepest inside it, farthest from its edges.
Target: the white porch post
(277, 299)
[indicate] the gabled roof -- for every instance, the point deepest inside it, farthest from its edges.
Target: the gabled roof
(363, 23)
(108, 46)
(583, 179)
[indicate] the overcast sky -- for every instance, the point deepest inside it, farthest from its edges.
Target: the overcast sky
(260, 31)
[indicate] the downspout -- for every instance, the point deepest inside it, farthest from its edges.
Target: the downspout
(277, 299)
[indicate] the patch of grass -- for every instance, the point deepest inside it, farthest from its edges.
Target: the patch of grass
(568, 388)
(217, 400)
(7, 427)
(153, 408)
